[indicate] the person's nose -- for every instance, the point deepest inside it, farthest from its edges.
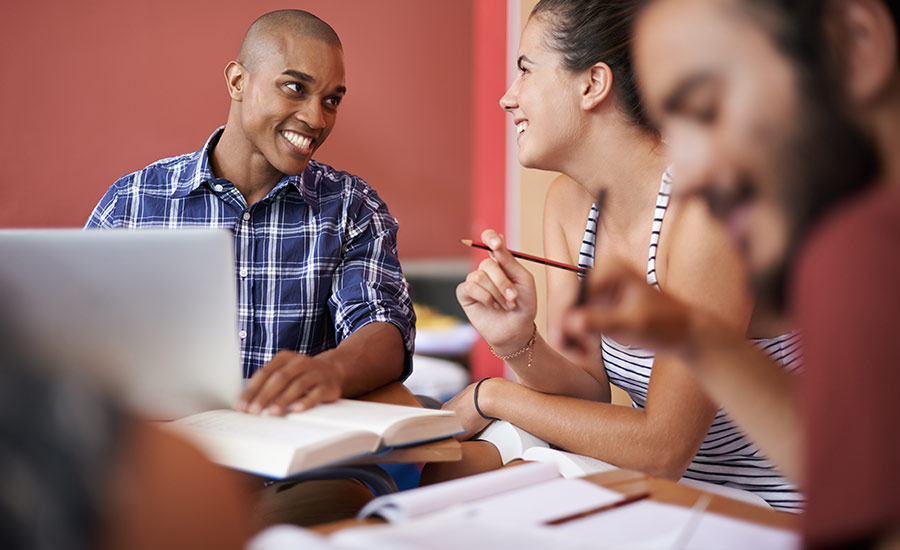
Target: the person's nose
(312, 114)
(509, 101)
(691, 153)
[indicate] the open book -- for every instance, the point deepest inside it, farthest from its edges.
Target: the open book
(514, 443)
(330, 433)
(527, 494)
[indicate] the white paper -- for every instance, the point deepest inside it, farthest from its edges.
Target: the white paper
(426, 500)
(652, 525)
(288, 537)
(452, 530)
(570, 465)
(543, 502)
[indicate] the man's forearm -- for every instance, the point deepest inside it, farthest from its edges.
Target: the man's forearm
(368, 359)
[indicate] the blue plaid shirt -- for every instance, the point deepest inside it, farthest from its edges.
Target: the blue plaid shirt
(316, 259)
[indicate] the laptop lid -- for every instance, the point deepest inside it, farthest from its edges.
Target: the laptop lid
(151, 312)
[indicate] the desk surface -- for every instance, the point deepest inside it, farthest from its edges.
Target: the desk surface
(661, 490)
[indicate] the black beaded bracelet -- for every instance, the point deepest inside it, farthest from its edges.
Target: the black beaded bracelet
(475, 398)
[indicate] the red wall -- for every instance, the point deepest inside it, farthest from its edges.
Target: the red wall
(489, 151)
(93, 89)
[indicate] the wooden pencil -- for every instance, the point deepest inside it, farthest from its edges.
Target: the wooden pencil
(627, 500)
(529, 257)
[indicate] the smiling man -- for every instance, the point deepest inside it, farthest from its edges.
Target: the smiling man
(323, 307)
(785, 116)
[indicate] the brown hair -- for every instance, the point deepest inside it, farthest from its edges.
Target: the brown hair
(586, 32)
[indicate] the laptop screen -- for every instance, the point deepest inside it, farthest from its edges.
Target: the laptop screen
(151, 313)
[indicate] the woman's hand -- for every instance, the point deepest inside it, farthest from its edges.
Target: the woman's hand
(499, 298)
(463, 404)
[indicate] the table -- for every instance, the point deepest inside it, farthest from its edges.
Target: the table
(666, 491)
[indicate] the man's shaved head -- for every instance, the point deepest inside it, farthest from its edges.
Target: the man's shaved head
(265, 34)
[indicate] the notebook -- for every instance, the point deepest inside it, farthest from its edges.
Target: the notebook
(151, 313)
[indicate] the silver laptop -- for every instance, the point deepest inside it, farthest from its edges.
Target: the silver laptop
(151, 313)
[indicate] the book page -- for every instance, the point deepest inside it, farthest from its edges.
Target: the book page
(511, 441)
(426, 500)
(270, 446)
(570, 465)
(398, 424)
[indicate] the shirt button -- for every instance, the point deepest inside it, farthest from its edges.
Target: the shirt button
(246, 216)
(242, 334)
(243, 272)
(218, 187)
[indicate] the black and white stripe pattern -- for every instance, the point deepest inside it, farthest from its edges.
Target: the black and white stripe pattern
(726, 456)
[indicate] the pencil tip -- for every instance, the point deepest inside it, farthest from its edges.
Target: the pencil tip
(467, 242)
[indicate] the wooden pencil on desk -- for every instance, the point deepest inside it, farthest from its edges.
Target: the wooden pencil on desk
(529, 257)
(627, 500)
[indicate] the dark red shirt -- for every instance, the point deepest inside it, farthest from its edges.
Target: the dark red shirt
(846, 293)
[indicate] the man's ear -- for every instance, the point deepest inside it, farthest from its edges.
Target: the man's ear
(596, 86)
(235, 78)
(866, 40)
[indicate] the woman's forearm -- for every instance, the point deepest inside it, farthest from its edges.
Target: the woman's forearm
(622, 436)
(546, 370)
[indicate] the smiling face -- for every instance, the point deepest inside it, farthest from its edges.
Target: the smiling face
(289, 100)
(543, 101)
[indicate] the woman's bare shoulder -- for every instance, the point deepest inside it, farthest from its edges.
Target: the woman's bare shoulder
(567, 204)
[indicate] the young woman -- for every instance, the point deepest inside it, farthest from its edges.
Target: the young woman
(576, 109)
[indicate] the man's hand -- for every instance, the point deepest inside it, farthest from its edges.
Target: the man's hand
(621, 305)
(291, 382)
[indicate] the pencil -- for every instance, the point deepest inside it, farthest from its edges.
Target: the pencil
(627, 500)
(529, 257)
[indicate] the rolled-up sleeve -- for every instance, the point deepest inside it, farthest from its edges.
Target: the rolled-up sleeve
(369, 285)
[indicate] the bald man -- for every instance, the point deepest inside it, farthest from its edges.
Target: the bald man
(324, 310)
(323, 307)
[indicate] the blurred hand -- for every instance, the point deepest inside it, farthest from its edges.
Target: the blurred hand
(619, 303)
(499, 298)
(463, 404)
(291, 382)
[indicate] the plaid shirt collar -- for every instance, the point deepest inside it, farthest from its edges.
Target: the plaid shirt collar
(199, 172)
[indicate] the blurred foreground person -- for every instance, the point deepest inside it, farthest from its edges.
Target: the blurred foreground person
(77, 472)
(785, 116)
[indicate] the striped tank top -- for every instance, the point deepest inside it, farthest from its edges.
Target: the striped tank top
(726, 456)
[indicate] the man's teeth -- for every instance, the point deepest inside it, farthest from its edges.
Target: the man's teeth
(521, 127)
(300, 142)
